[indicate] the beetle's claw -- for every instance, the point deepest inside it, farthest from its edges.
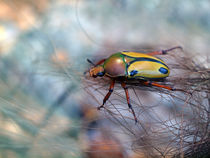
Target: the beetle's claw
(181, 90)
(136, 120)
(99, 107)
(167, 50)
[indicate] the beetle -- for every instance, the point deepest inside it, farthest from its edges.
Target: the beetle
(125, 65)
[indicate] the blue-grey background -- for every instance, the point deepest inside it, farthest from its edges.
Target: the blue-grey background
(44, 44)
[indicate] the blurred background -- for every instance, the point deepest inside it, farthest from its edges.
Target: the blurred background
(48, 104)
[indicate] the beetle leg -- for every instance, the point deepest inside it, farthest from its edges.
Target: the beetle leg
(162, 52)
(128, 100)
(100, 62)
(149, 83)
(108, 94)
(155, 53)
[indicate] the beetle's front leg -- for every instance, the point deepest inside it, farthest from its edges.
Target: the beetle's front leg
(162, 52)
(128, 100)
(111, 88)
(100, 62)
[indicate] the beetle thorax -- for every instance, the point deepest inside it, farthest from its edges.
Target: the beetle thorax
(115, 66)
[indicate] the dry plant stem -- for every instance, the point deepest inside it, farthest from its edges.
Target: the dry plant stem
(181, 128)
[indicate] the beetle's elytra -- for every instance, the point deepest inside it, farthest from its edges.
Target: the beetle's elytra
(132, 65)
(135, 65)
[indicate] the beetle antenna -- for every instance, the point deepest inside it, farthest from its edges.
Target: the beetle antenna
(167, 50)
(89, 61)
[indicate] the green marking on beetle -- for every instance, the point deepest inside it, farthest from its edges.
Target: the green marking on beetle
(126, 70)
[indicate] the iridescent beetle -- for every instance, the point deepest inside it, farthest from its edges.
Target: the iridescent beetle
(127, 65)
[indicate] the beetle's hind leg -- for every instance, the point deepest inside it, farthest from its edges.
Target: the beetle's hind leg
(111, 88)
(150, 83)
(128, 100)
(162, 52)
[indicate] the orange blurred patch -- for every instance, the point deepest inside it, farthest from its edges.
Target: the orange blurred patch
(21, 12)
(60, 58)
(105, 148)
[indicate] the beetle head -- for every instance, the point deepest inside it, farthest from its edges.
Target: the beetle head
(97, 71)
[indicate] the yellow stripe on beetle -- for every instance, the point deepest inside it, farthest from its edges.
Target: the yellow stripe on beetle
(147, 69)
(140, 55)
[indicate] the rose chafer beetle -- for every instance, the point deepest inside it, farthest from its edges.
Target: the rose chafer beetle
(126, 65)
